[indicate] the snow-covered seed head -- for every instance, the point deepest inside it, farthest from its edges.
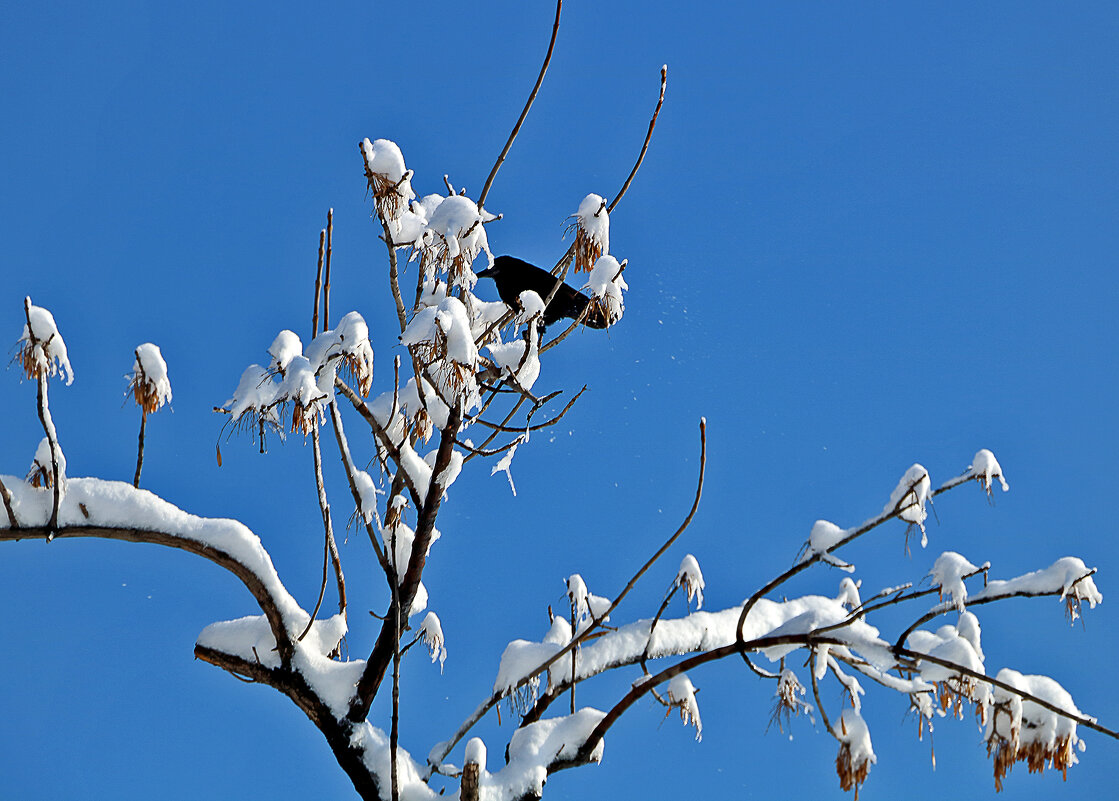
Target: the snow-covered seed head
(389, 181)
(592, 232)
(455, 235)
(1037, 754)
(432, 632)
(984, 468)
(42, 351)
(441, 338)
(149, 383)
(789, 700)
(855, 752)
(691, 579)
(357, 352)
(606, 285)
(681, 695)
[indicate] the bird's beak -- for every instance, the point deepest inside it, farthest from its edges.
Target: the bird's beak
(489, 272)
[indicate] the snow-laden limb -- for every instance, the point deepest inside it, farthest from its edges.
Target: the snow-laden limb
(540, 748)
(116, 510)
(42, 351)
(251, 639)
(949, 572)
(522, 658)
(1068, 577)
(374, 747)
(694, 633)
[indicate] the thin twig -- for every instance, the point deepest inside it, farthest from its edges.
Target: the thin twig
(329, 547)
(524, 111)
(318, 286)
(322, 589)
(645, 146)
(326, 276)
(394, 278)
(394, 731)
(348, 464)
(653, 626)
(140, 448)
(819, 703)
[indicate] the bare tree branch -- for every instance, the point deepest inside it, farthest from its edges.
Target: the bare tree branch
(524, 112)
(645, 145)
(387, 640)
(219, 557)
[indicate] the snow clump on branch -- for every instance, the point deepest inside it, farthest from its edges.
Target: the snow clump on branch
(432, 631)
(389, 180)
(855, 752)
(948, 573)
(592, 232)
(909, 498)
(42, 351)
(681, 695)
(41, 473)
(1020, 730)
(824, 536)
(606, 286)
(149, 382)
(691, 579)
(985, 467)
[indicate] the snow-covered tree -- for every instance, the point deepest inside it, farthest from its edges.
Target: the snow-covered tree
(465, 386)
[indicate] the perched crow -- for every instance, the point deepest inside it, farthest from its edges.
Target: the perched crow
(514, 276)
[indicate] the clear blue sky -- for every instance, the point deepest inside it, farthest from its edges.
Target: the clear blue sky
(864, 236)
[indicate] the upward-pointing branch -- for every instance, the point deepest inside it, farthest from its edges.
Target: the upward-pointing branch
(524, 112)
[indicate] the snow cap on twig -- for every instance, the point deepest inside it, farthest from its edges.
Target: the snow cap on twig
(592, 232)
(42, 351)
(681, 695)
(149, 383)
(691, 579)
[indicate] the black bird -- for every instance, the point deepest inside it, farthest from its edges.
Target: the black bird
(513, 276)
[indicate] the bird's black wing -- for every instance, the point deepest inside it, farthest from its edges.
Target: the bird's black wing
(513, 276)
